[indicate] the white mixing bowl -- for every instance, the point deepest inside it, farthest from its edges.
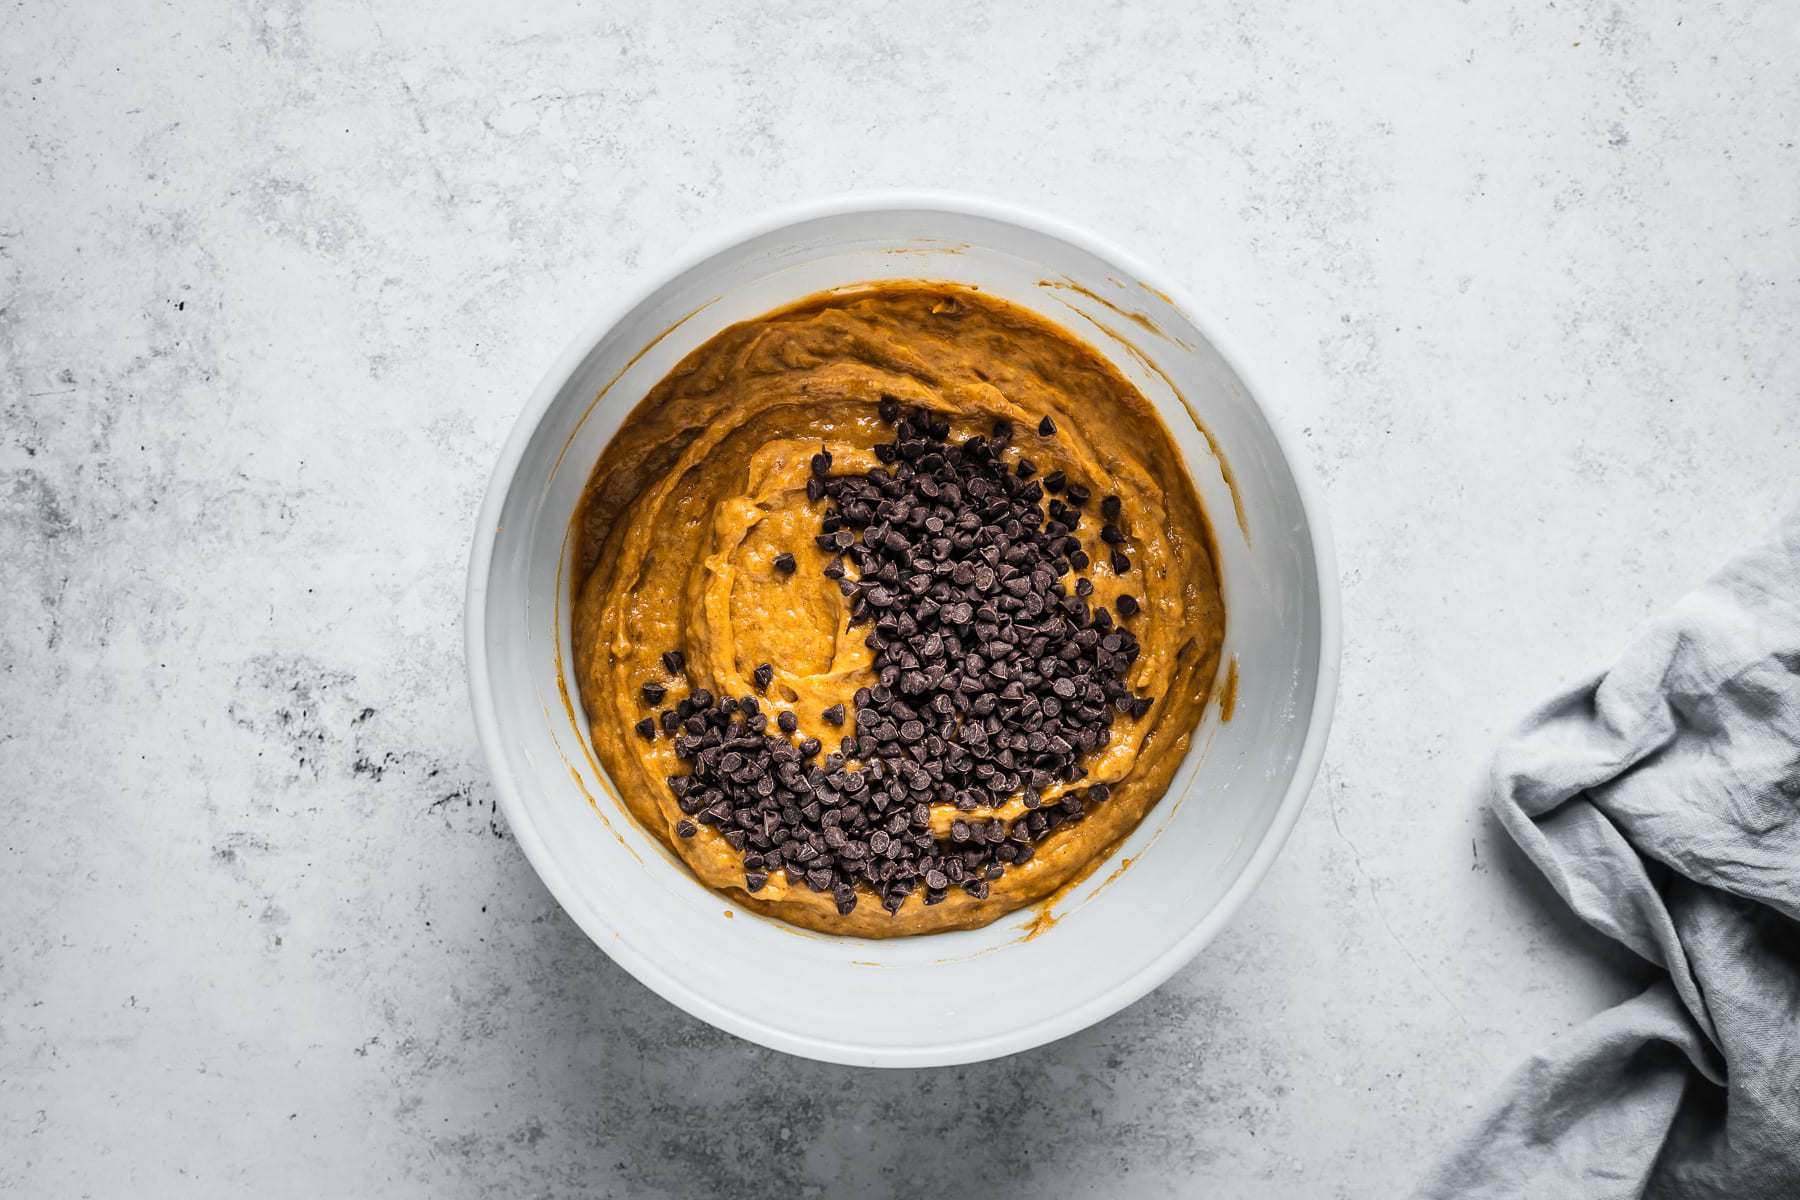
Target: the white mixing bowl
(948, 997)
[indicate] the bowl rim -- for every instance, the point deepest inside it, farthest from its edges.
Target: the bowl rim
(644, 968)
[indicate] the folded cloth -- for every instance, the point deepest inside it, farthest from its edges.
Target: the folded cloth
(1662, 800)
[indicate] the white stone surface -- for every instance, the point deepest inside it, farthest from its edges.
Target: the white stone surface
(276, 278)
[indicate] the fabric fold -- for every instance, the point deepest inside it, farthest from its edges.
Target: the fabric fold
(1661, 799)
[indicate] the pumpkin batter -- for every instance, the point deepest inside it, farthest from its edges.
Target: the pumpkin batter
(705, 485)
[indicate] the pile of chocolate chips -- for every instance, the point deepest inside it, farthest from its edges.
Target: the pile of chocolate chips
(992, 679)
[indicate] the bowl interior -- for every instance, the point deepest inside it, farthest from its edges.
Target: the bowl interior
(946, 997)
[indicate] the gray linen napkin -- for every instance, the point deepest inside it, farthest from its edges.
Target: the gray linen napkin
(1662, 800)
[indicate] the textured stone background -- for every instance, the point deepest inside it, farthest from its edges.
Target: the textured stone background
(274, 281)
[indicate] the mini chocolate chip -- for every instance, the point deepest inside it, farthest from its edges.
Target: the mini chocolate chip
(762, 677)
(1046, 427)
(1120, 564)
(787, 721)
(992, 679)
(1110, 508)
(821, 463)
(685, 828)
(888, 410)
(673, 661)
(1128, 605)
(654, 693)
(754, 881)
(784, 562)
(646, 729)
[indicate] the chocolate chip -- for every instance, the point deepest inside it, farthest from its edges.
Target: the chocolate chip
(821, 463)
(673, 661)
(1046, 427)
(1120, 564)
(888, 410)
(754, 881)
(784, 562)
(1110, 508)
(654, 693)
(685, 828)
(1128, 605)
(993, 678)
(646, 729)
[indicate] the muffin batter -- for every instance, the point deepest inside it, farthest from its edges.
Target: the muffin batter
(695, 505)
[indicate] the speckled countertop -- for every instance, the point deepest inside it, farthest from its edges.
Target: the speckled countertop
(276, 278)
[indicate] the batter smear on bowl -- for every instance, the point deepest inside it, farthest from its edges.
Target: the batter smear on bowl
(898, 610)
